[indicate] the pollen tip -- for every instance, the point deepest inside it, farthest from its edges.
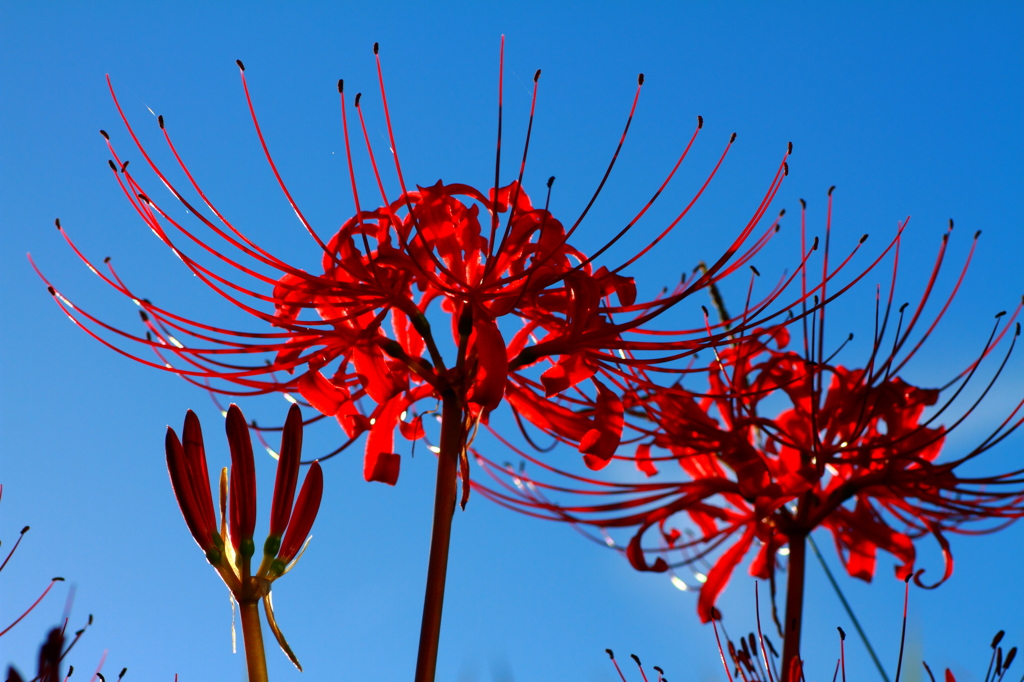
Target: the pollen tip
(160, 121)
(831, 189)
(376, 48)
(104, 134)
(56, 222)
(660, 671)
(732, 139)
(123, 671)
(998, 638)
(790, 149)
(359, 96)
(951, 223)
(341, 85)
(25, 529)
(57, 579)
(842, 635)
(551, 181)
(754, 270)
(814, 247)
(700, 122)
(53, 292)
(803, 204)
(850, 337)
(124, 166)
(977, 234)
(705, 309)
(1000, 314)
(635, 658)
(144, 316)
(112, 166)
(782, 213)
(778, 227)
(864, 238)
(610, 654)
(106, 259)
(536, 76)
(903, 307)
(240, 64)
(1017, 332)
(640, 79)
(785, 168)
(144, 197)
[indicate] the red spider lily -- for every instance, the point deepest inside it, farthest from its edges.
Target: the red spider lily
(356, 343)
(230, 548)
(853, 451)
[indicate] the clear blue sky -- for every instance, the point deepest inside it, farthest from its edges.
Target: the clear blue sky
(912, 109)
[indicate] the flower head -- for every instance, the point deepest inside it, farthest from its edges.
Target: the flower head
(230, 548)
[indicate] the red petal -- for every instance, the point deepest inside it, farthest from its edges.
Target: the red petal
(643, 460)
(569, 371)
(718, 576)
(199, 475)
(321, 394)
(178, 470)
(379, 462)
(492, 363)
(599, 444)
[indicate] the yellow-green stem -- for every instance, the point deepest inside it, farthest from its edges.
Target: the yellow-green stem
(252, 634)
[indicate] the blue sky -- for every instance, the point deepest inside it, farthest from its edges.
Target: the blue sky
(912, 109)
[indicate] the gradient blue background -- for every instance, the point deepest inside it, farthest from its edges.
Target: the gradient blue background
(913, 109)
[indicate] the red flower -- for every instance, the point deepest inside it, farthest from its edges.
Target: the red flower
(853, 451)
(186, 463)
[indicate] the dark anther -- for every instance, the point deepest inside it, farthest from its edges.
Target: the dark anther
(100, 675)
(803, 203)
(977, 234)
(998, 638)
(536, 76)
(640, 79)
(755, 271)
(106, 259)
(732, 139)
(778, 227)
(842, 635)
(850, 337)
(864, 238)
(104, 134)
(149, 336)
(790, 150)
(951, 223)
(785, 168)
(24, 530)
(144, 316)
(376, 48)
(610, 654)
(551, 181)
(341, 85)
(903, 307)
(1018, 330)
(782, 213)
(1000, 314)
(53, 292)
(71, 669)
(660, 671)
(57, 222)
(123, 671)
(1009, 658)
(358, 97)
(831, 189)
(58, 579)
(240, 64)
(160, 121)
(112, 166)
(700, 122)
(814, 247)
(704, 308)
(90, 619)
(124, 166)
(635, 658)
(144, 198)
(907, 579)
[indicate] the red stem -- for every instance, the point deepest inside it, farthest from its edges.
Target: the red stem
(437, 566)
(794, 605)
(252, 633)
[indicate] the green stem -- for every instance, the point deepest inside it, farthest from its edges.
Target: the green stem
(252, 634)
(437, 566)
(849, 611)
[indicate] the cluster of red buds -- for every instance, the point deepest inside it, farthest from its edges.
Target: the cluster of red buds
(569, 349)
(229, 546)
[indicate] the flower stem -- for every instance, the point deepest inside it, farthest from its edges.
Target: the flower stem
(444, 509)
(794, 605)
(252, 633)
